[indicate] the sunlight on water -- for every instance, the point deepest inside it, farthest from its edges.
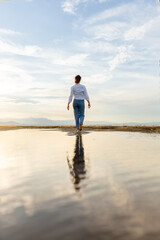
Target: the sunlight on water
(100, 185)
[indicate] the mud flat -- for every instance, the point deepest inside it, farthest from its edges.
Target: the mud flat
(147, 129)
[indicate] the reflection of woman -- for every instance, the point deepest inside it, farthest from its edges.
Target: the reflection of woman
(80, 94)
(77, 167)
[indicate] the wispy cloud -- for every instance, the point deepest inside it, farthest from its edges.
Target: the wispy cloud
(109, 13)
(123, 55)
(22, 100)
(76, 59)
(13, 48)
(138, 32)
(70, 6)
(106, 31)
(118, 33)
(4, 31)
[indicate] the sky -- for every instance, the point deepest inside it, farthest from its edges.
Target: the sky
(113, 45)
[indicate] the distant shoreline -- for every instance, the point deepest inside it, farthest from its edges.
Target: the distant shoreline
(146, 129)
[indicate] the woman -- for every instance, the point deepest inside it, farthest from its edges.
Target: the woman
(80, 94)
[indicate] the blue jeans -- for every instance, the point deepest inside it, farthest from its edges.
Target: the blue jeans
(78, 106)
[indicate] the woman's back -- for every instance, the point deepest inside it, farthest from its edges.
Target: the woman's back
(79, 91)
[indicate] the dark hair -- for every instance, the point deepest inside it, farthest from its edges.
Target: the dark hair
(77, 78)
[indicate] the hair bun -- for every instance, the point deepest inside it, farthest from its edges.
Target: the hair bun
(77, 78)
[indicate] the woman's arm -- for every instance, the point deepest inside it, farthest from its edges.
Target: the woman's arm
(87, 97)
(70, 98)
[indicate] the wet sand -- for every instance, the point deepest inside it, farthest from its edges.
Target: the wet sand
(98, 185)
(147, 129)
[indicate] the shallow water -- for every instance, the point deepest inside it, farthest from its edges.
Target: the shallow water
(59, 186)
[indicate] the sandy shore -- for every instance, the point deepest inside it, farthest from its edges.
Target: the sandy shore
(147, 129)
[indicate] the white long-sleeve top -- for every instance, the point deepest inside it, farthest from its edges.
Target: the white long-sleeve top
(79, 92)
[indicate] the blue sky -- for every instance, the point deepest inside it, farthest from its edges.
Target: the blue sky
(113, 45)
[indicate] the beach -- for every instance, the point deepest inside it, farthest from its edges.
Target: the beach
(101, 184)
(147, 129)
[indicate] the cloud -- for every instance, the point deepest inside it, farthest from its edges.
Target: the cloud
(124, 54)
(107, 31)
(113, 33)
(4, 31)
(102, 1)
(138, 32)
(12, 48)
(37, 88)
(77, 59)
(110, 13)
(70, 6)
(22, 100)
(29, 99)
(98, 78)
(94, 46)
(13, 77)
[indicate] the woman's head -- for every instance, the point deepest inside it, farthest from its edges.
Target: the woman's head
(77, 79)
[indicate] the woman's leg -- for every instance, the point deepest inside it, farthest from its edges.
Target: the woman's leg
(76, 113)
(81, 111)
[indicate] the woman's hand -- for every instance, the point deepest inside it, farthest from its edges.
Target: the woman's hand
(89, 104)
(68, 106)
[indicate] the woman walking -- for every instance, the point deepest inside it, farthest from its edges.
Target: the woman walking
(80, 94)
